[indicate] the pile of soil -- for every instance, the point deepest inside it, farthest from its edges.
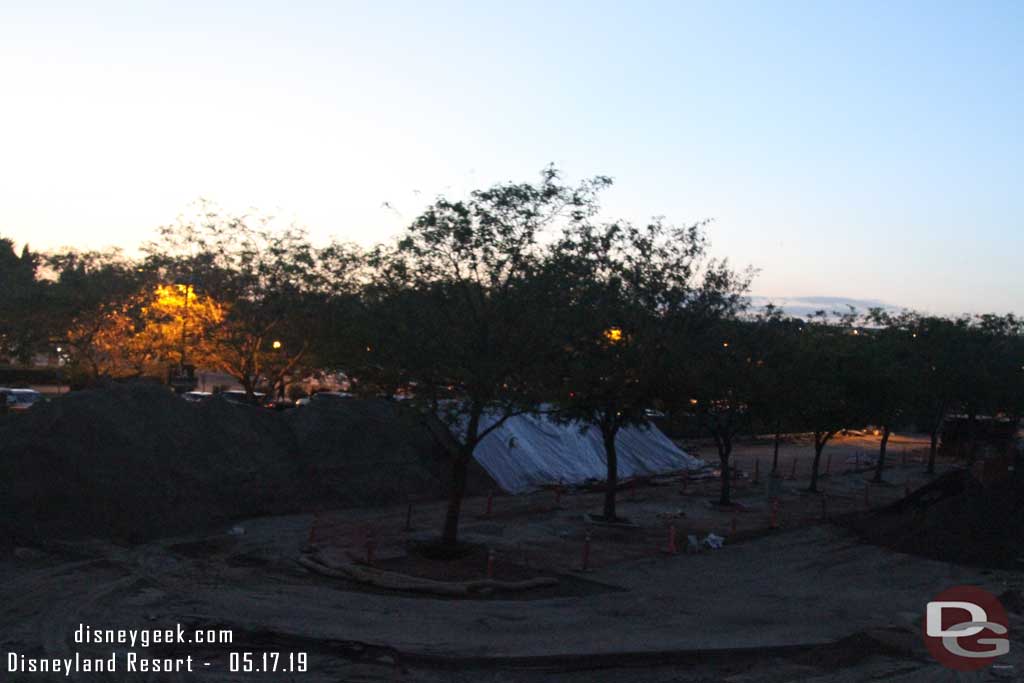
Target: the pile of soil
(133, 462)
(954, 518)
(389, 453)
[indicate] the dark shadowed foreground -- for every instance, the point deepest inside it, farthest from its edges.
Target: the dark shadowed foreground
(133, 462)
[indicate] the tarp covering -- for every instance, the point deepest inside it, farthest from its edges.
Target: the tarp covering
(530, 451)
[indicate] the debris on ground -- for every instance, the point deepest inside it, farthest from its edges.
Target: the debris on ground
(714, 541)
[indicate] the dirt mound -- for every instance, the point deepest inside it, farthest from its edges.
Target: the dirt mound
(372, 452)
(133, 462)
(954, 518)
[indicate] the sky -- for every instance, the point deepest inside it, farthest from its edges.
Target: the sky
(861, 150)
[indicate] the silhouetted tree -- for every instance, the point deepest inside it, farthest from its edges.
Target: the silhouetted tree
(632, 295)
(463, 313)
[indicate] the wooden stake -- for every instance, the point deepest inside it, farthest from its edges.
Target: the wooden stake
(371, 546)
(313, 528)
(585, 565)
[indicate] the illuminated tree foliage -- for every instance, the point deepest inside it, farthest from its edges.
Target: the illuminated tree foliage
(143, 333)
(180, 324)
(273, 284)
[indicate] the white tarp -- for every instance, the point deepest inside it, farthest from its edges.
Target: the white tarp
(529, 451)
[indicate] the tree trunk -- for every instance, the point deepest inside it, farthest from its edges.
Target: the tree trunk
(880, 465)
(1017, 457)
(450, 536)
(249, 384)
(613, 474)
(819, 445)
(724, 451)
(972, 437)
(775, 455)
(933, 450)
(934, 447)
(460, 464)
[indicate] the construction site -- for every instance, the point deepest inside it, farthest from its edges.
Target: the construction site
(312, 533)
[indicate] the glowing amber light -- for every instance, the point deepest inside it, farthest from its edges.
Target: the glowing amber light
(175, 295)
(613, 334)
(276, 344)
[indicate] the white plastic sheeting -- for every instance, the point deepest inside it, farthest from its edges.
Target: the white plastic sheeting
(530, 451)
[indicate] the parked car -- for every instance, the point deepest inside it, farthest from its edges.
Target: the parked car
(196, 396)
(278, 403)
(240, 398)
(323, 397)
(19, 400)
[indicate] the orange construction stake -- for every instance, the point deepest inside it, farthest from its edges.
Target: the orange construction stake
(671, 549)
(313, 528)
(371, 546)
(585, 565)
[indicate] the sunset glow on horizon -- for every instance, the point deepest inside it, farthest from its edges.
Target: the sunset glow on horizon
(843, 151)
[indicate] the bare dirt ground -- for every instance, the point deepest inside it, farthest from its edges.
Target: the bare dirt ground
(805, 601)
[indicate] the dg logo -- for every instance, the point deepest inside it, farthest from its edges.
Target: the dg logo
(965, 628)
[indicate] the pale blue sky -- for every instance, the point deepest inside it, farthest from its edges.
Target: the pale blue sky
(868, 150)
